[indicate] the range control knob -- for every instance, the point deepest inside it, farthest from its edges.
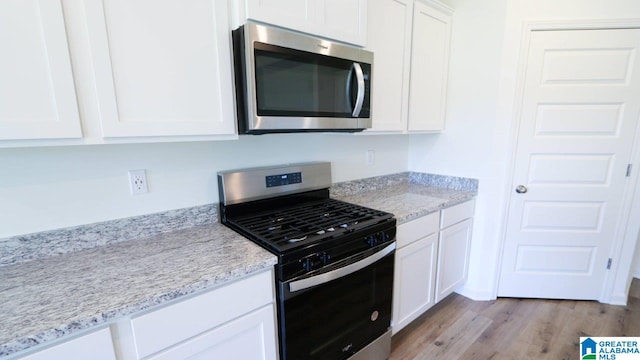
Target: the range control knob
(371, 240)
(326, 258)
(383, 236)
(307, 264)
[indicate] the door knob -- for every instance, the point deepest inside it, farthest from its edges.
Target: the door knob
(521, 189)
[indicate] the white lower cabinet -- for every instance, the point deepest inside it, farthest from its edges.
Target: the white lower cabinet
(415, 269)
(453, 258)
(236, 321)
(453, 247)
(249, 337)
(97, 345)
(432, 260)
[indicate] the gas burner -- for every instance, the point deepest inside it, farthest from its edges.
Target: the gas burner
(300, 225)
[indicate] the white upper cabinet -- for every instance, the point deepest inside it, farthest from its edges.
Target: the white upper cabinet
(145, 70)
(342, 20)
(294, 14)
(390, 40)
(410, 42)
(37, 94)
(429, 68)
(161, 67)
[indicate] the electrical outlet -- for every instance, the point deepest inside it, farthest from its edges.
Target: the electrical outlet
(371, 157)
(138, 182)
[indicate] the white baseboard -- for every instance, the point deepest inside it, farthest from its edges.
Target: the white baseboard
(618, 299)
(476, 294)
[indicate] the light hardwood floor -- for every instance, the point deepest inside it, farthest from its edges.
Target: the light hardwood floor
(459, 328)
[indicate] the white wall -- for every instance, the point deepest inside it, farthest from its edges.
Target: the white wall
(484, 60)
(469, 145)
(636, 268)
(55, 187)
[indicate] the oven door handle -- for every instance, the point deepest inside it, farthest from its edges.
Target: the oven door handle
(338, 273)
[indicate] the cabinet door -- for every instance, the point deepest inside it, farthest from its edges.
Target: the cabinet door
(37, 95)
(414, 281)
(453, 258)
(344, 20)
(389, 27)
(170, 325)
(292, 14)
(249, 337)
(429, 68)
(95, 346)
(161, 67)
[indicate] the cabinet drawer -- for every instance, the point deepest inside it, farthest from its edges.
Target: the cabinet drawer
(417, 229)
(251, 336)
(457, 213)
(168, 326)
(97, 345)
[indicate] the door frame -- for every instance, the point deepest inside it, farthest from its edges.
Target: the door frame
(617, 281)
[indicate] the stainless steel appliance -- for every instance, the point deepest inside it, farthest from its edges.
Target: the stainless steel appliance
(288, 82)
(334, 276)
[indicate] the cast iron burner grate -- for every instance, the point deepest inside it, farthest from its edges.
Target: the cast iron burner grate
(301, 225)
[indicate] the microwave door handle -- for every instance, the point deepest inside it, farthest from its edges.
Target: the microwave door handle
(340, 272)
(348, 87)
(360, 97)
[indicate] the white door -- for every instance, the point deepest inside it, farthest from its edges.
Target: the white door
(580, 109)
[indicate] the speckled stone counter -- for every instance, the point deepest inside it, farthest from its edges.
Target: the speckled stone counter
(407, 195)
(45, 299)
(60, 282)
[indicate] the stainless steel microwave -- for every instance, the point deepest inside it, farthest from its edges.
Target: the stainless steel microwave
(289, 82)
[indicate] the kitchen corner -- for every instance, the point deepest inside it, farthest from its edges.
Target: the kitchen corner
(48, 298)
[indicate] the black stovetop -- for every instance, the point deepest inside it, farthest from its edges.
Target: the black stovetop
(301, 221)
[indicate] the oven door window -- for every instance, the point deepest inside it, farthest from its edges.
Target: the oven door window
(336, 319)
(302, 84)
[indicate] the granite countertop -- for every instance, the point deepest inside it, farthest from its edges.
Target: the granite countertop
(57, 283)
(407, 197)
(45, 299)
(409, 201)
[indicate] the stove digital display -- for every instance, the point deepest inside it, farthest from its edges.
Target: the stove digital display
(283, 179)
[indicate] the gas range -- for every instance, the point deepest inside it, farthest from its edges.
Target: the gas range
(335, 259)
